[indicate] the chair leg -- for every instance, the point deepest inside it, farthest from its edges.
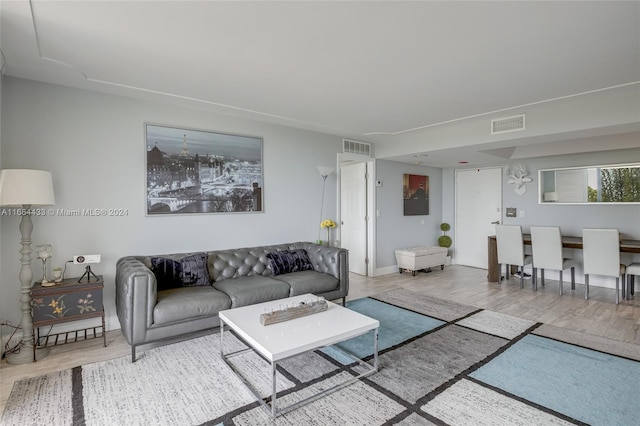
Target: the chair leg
(522, 277)
(573, 278)
(632, 285)
(586, 286)
(624, 288)
(542, 277)
(560, 283)
(506, 273)
(617, 290)
(534, 278)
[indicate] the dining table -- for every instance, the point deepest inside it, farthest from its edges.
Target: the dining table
(493, 270)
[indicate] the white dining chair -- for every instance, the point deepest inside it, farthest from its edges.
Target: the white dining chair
(511, 249)
(601, 252)
(632, 270)
(546, 245)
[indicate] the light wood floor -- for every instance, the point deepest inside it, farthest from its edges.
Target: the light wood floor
(597, 316)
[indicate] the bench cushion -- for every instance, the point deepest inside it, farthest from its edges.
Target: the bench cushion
(421, 251)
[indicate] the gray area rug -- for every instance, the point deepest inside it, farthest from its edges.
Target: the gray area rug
(424, 381)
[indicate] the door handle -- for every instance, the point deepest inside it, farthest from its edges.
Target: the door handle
(497, 222)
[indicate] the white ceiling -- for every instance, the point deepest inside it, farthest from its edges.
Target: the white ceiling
(368, 71)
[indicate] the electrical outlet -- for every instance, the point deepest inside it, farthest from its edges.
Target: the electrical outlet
(521, 213)
(511, 212)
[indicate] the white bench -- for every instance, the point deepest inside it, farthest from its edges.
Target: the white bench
(416, 258)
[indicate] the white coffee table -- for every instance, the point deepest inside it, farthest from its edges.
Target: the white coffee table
(283, 340)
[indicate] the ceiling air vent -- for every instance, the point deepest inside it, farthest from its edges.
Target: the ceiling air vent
(355, 147)
(507, 124)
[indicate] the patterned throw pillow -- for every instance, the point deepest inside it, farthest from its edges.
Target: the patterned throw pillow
(286, 261)
(187, 271)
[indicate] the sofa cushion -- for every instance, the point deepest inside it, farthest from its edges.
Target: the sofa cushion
(309, 282)
(187, 303)
(287, 261)
(255, 289)
(187, 271)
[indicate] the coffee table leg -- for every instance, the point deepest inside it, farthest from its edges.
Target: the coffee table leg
(273, 389)
(221, 337)
(375, 349)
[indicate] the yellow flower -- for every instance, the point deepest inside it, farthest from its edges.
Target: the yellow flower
(327, 223)
(57, 310)
(53, 303)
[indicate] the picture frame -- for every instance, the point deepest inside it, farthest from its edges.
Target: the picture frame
(195, 172)
(415, 196)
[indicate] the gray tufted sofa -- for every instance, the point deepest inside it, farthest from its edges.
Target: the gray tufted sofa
(238, 277)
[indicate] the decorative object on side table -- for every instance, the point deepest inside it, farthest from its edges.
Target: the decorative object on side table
(328, 224)
(22, 189)
(57, 274)
(291, 312)
(44, 253)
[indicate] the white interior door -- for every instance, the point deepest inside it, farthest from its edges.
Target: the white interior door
(478, 208)
(353, 215)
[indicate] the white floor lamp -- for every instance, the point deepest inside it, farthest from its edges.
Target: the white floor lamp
(22, 189)
(324, 172)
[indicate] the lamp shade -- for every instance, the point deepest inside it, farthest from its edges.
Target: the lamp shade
(325, 170)
(20, 187)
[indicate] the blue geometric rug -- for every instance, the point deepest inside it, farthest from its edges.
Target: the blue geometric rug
(440, 363)
(590, 386)
(540, 380)
(397, 325)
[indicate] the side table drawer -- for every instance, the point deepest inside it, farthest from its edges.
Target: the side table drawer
(68, 300)
(69, 306)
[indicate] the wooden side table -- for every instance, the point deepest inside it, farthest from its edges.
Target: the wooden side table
(67, 301)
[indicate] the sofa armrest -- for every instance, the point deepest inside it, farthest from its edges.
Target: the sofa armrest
(136, 296)
(331, 260)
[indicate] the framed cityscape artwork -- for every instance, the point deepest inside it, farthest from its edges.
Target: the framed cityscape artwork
(195, 171)
(415, 190)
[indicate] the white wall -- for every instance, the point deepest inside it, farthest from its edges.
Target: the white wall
(94, 146)
(394, 230)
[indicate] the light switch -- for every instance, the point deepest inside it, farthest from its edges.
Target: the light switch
(521, 213)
